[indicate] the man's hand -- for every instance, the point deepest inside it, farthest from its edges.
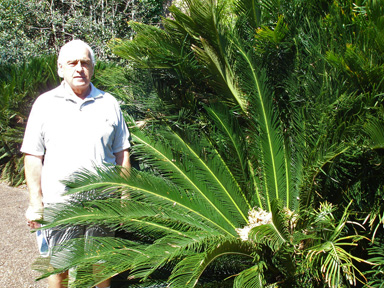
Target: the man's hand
(34, 214)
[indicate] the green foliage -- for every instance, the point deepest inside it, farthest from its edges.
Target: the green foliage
(35, 28)
(267, 125)
(132, 87)
(331, 254)
(376, 254)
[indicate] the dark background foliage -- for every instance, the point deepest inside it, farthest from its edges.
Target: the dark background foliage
(35, 28)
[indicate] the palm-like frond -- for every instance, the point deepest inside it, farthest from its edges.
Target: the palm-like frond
(336, 263)
(152, 38)
(145, 188)
(274, 234)
(93, 251)
(189, 270)
(233, 139)
(211, 188)
(167, 249)
(252, 11)
(252, 277)
(376, 254)
(375, 130)
(222, 72)
(252, 82)
(267, 133)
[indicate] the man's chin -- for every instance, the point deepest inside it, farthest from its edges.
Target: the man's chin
(80, 82)
(80, 85)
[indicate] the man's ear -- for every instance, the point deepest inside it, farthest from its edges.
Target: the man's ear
(60, 71)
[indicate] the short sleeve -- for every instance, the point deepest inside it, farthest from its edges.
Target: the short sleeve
(33, 142)
(122, 135)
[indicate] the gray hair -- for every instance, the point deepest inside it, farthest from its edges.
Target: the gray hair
(75, 43)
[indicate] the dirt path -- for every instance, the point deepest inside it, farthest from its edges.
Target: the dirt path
(18, 248)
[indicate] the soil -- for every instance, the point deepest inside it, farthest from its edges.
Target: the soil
(18, 248)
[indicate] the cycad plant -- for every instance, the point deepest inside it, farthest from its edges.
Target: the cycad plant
(239, 169)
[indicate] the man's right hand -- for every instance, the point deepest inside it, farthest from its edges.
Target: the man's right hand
(33, 225)
(34, 214)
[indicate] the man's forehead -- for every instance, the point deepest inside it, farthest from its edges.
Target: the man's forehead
(77, 53)
(72, 59)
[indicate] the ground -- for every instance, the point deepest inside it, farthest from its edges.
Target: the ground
(18, 248)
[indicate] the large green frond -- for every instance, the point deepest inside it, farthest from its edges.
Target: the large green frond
(336, 263)
(216, 173)
(375, 130)
(249, 11)
(223, 76)
(134, 214)
(188, 271)
(140, 186)
(252, 277)
(209, 186)
(117, 256)
(151, 43)
(167, 249)
(323, 158)
(269, 137)
(235, 144)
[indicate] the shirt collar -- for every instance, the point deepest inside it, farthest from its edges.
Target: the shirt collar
(65, 91)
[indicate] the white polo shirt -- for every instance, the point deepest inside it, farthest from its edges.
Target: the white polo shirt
(73, 134)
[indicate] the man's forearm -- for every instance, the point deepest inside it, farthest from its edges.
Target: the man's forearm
(33, 166)
(122, 159)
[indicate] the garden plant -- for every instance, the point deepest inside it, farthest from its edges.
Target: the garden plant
(260, 160)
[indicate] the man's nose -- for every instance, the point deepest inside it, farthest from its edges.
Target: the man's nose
(78, 66)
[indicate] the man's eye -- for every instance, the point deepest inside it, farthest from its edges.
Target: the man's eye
(85, 63)
(72, 63)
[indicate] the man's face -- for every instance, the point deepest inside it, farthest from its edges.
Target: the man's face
(77, 70)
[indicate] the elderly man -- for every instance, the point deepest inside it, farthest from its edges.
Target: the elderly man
(71, 127)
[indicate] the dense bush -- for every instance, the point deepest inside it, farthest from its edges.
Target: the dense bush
(35, 28)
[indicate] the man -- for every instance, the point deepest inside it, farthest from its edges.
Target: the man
(71, 127)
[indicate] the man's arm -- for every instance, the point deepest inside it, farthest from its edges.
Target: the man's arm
(33, 166)
(122, 159)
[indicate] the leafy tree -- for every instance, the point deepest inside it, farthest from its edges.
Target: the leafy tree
(261, 137)
(36, 28)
